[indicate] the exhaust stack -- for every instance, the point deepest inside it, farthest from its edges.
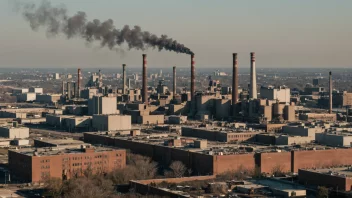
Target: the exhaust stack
(234, 83)
(69, 93)
(253, 82)
(174, 82)
(192, 78)
(144, 83)
(124, 78)
(330, 92)
(79, 83)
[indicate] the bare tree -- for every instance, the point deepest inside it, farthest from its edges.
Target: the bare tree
(178, 169)
(278, 171)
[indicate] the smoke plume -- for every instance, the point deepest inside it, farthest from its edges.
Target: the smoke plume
(56, 21)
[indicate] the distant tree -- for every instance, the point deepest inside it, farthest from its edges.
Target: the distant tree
(323, 192)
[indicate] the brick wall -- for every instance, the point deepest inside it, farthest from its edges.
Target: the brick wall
(321, 158)
(269, 161)
(223, 163)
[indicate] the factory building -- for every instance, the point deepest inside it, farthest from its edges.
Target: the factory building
(63, 143)
(36, 90)
(102, 105)
(281, 94)
(36, 165)
(151, 119)
(215, 134)
(342, 99)
(335, 178)
(174, 119)
(77, 123)
(326, 117)
(334, 139)
(283, 139)
(48, 98)
(111, 122)
(26, 97)
(302, 130)
(14, 132)
(20, 91)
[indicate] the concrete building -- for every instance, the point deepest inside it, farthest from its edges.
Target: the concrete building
(26, 97)
(318, 116)
(48, 98)
(56, 120)
(36, 165)
(102, 105)
(89, 92)
(56, 76)
(282, 93)
(291, 140)
(342, 99)
(78, 123)
(111, 122)
(36, 90)
(337, 178)
(151, 119)
(14, 132)
(302, 130)
(20, 91)
(334, 139)
(63, 143)
(173, 119)
(216, 134)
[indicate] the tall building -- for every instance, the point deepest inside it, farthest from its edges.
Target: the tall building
(36, 165)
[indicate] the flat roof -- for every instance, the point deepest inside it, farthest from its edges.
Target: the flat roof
(338, 172)
(61, 142)
(213, 147)
(48, 151)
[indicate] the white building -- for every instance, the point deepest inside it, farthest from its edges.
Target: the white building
(282, 93)
(37, 90)
(26, 97)
(14, 132)
(111, 122)
(56, 76)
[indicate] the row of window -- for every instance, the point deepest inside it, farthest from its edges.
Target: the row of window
(240, 136)
(45, 167)
(45, 161)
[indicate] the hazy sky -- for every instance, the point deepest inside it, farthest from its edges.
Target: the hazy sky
(295, 33)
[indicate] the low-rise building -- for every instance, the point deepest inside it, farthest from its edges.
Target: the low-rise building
(177, 119)
(151, 119)
(64, 143)
(336, 178)
(334, 139)
(36, 165)
(111, 122)
(14, 132)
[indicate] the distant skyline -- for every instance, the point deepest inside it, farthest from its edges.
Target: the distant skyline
(284, 34)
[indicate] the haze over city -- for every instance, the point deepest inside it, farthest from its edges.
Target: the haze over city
(289, 34)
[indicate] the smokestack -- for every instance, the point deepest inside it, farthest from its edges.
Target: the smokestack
(69, 90)
(144, 83)
(124, 78)
(253, 82)
(78, 83)
(63, 88)
(74, 90)
(330, 92)
(174, 82)
(234, 83)
(192, 77)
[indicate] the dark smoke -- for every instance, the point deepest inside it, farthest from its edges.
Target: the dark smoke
(56, 21)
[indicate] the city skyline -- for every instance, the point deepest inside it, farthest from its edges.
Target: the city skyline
(283, 35)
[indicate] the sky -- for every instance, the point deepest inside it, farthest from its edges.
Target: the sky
(284, 34)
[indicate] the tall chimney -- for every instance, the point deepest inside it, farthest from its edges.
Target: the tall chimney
(74, 90)
(330, 92)
(174, 82)
(144, 83)
(192, 78)
(124, 78)
(78, 83)
(234, 83)
(69, 90)
(63, 88)
(253, 84)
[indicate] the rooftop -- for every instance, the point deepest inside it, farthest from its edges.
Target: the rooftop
(48, 151)
(338, 172)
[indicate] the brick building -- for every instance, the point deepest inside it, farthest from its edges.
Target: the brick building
(35, 165)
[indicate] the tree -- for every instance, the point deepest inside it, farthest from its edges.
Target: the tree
(323, 192)
(178, 169)
(278, 171)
